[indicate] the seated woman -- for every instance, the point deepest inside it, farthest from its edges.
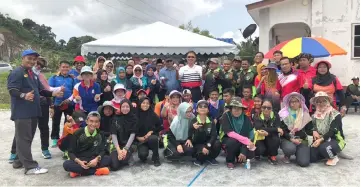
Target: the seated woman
(236, 134)
(138, 82)
(147, 136)
(203, 136)
(106, 111)
(268, 126)
(295, 123)
(123, 130)
(327, 132)
(176, 141)
(87, 150)
(169, 110)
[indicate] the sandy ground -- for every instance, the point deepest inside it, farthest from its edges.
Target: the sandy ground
(346, 173)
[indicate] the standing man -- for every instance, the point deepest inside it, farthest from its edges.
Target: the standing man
(191, 76)
(237, 62)
(79, 62)
(25, 90)
(305, 74)
(245, 77)
(169, 77)
(258, 59)
(288, 78)
(61, 104)
(277, 55)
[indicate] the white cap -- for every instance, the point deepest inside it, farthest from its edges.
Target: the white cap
(119, 87)
(86, 69)
(186, 91)
(174, 92)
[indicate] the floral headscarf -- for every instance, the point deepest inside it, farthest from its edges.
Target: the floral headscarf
(111, 75)
(139, 78)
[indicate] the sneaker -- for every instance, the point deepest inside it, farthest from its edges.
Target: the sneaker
(131, 161)
(213, 162)
(102, 171)
(272, 160)
(286, 160)
(36, 171)
(344, 156)
(46, 154)
(54, 143)
(230, 166)
(197, 163)
(332, 161)
(17, 164)
(156, 163)
(73, 174)
(12, 158)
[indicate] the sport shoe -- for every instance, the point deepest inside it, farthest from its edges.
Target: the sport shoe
(272, 160)
(54, 143)
(213, 162)
(156, 163)
(102, 171)
(131, 161)
(332, 161)
(12, 158)
(230, 166)
(46, 154)
(286, 160)
(17, 164)
(197, 163)
(36, 171)
(73, 174)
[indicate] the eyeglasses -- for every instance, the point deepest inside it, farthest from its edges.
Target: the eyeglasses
(109, 66)
(266, 108)
(203, 106)
(137, 70)
(321, 102)
(191, 57)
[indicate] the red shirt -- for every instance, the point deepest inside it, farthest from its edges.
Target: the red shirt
(249, 104)
(306, 75)
(289, 83)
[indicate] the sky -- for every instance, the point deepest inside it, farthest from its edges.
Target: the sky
(101, 18)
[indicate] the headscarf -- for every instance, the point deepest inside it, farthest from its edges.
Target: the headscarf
(128, 121)
(241, 125)
(259, 70)
(295, 120)
(111, 75)
(326, 79)
(96, 65)
(324, 116)
(180, 123)
(146, 119)
(150, 66)
(118, 80)
(103, 83)
(139, 78)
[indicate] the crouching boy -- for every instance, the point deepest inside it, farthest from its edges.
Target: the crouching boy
(86, 150)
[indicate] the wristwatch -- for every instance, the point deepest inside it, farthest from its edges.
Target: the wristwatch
(22, 95)
(209, 145)
(125, 148)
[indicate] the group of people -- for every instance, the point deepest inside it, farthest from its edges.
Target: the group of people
(247, 111)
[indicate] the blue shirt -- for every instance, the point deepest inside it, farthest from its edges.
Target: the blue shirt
(87, 95)
(75, 73)
(172, 83)
(59, 80)
(20, 79)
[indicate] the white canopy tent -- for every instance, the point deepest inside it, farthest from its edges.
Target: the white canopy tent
(156, 39)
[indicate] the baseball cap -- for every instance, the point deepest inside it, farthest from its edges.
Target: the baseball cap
(86, 69)
(94, 113)
(214, 60)
(119, 87)
(105, 104)
(202, 103)
(79, 59)
(355, 78)
(186, 91)
(237, 58)
(271, 66)
(175, 92)
(141, 90)
(29, 52)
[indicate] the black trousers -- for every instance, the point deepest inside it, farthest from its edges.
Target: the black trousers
(196, 93)
(213, 151)
(24, 135)
(326, 150)
(171, 153)
(269, 146)
(72, 166)
(65, 143)
(301, 151)
(234, 148)
(151, 144)
(57, 118)
(117, 164)
(43, 125)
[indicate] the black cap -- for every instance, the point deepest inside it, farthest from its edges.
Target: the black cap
(355, 78)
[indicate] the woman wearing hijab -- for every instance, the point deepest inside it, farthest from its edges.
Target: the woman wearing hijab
(138, 82)
(106, 111)
(327, 130)
(296, 123)
(105, 86)
(203, 136)
(176, 141)
(122, 79)
(270, 87)
(152, 81)
(99, 63)
(237, 134)
(148, 129)
(109, 67)
(123, 130)
(267, 125)
(329, 83)
(170, 108)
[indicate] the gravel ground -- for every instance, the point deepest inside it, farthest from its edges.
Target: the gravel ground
(346, 173)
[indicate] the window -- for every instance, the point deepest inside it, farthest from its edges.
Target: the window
(355, 40)
(4, 65)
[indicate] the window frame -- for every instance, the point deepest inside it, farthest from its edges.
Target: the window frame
(353, 25)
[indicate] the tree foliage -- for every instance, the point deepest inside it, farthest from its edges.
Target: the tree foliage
(189, 27)
(248, 49)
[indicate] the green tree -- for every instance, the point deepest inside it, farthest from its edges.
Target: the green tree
(189, 27)
(74, 44)
(247, 49)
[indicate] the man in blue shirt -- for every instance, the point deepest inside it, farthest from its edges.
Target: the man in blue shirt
(79, 62)
(25, 90)
(168, 76)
